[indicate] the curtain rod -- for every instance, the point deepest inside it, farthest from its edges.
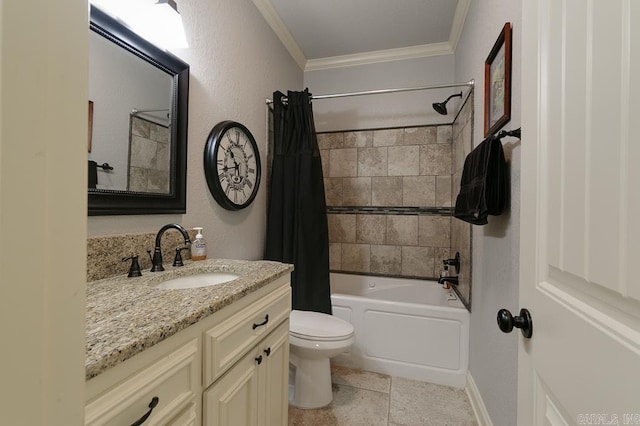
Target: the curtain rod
(383, 91)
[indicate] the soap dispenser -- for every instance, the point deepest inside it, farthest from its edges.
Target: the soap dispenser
(199, 246)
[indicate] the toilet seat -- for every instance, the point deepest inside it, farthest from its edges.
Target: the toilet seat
(317, 326)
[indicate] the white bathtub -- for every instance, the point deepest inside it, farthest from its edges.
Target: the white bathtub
(403, 327)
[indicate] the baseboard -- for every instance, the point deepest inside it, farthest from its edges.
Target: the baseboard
(479, 409)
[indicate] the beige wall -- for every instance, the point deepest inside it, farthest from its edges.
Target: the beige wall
(236, 63)
(43, 175)
(379, 111)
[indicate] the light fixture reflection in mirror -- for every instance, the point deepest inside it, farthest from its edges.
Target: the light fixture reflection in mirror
(158, 21)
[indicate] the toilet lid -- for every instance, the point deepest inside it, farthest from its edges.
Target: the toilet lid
(318, 326)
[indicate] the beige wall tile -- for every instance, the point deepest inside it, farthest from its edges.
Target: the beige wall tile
(343, 162)
(143, 153)
(330, 140)
(356, 257)
(386, 191)
(371, 228)
(138, 178)
(358, 139)
(387, 137)
(335, 256)
(342, 228)
(163, 160)
(333, 191)
(455, 186)
(159, 181)
(434, 231)
(439, 255)
(356, 191)
(404, 160)
(141, 127)
(444, 134)
(402, 230)
(386, 259)
(458, 154)
(419, 135)
(372, 161)
(419, 191)
(325, 158)
(434, 159)
(443, 191)
(417, 261)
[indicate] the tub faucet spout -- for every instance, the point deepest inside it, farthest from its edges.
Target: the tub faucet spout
(157, 252)
(451, 280)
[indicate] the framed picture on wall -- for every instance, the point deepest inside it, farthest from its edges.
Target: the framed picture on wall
(497, 83)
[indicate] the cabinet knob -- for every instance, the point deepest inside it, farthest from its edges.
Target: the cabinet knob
(259, 359)
(268, 351)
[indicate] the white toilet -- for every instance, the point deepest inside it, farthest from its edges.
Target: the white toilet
(313, 339)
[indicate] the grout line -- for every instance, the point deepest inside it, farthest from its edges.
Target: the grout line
(389, 406)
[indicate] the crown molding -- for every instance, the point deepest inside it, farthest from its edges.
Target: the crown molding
(412, 52)
(273, 19)
(457, 26)
(365, 58)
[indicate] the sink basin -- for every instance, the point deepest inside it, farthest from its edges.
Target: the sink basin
(199, 280)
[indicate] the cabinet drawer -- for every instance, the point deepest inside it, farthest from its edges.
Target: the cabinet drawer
(173, 380)
(225, 343)
(187, 417)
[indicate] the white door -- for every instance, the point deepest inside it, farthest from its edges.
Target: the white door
(580, 220)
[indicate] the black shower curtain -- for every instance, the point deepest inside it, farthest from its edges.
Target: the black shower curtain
(297, 217)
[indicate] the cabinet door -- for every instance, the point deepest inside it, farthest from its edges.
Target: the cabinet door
(274, 378)
(233, 399)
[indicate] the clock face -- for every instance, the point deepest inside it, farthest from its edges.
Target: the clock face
(232, 165)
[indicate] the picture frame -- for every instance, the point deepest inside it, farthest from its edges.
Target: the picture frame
(497, 83)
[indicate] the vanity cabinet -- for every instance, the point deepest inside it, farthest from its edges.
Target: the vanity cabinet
(254, 391)
(230, 368)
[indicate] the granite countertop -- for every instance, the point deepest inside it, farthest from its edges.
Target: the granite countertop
(128, 315)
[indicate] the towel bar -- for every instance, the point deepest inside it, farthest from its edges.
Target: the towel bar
(514, 133)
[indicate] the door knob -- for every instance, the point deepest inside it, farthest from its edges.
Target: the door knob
(506, 322)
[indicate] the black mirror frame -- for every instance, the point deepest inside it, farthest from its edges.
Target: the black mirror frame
(112, 202)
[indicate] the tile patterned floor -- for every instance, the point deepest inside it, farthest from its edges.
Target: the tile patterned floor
(371, 399)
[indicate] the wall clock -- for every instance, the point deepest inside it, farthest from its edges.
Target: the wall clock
(232, 165)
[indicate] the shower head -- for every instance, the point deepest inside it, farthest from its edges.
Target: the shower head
(441, 107)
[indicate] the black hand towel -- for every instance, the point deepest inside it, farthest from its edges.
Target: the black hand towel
(93, 174)
(483, 187)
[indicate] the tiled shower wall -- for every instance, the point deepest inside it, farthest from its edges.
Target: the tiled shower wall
(149, 157)
(389, 195)
(460, 230)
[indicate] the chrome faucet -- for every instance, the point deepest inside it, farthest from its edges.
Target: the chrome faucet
(157, 251)
(452, 280)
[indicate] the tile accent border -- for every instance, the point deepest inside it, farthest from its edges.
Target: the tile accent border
(382, 210)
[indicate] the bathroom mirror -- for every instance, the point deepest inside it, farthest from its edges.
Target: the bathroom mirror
(138, 97)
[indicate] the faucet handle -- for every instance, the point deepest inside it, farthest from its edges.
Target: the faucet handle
(178, 259)
(455, 262)
(134, 269)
